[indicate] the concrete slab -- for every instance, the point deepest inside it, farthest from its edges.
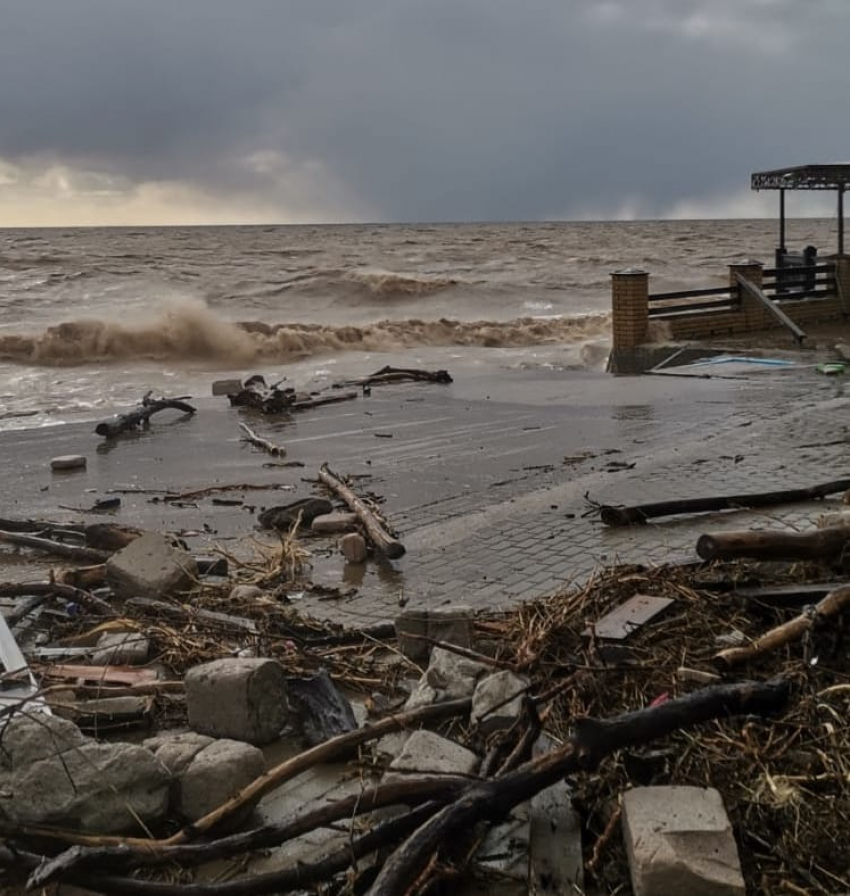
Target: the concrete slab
(680, 840)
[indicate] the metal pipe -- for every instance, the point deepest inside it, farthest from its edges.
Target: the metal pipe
(782, 220)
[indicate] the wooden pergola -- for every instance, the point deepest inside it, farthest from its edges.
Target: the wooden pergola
(805, 177)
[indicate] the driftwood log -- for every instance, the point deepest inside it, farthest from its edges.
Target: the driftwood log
(390, 374)
(390, 547)
(452, 807)
(829, 545)
(263, 444)
(69, 552)
(640, 513)
(53, 589)
(141, 415)
(832, 605)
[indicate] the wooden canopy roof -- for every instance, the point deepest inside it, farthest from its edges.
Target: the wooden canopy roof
(803, 177)
(806, 177)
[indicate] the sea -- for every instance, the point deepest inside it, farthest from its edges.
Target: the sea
(91, 319)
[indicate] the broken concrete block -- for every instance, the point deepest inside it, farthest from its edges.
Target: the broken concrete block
(69, 780)
(68, 462)
(242, 698)
(497, 701)
(214, 774)
(680, 840)
(426, 754)
(353, 547)
(330, 523)
(448, 677)
(226, 387)
(150, 566)
(121, 649)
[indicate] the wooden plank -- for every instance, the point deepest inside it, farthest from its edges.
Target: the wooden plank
(691, 293)
(777, 312)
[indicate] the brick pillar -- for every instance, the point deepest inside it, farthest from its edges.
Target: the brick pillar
(630, 307)
(752, 270)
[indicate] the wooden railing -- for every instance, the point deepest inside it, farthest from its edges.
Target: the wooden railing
(779, 284)
(665, 304)
(800, 282)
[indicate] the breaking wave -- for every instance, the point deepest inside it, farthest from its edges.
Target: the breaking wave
(194, 332)
(387, 284)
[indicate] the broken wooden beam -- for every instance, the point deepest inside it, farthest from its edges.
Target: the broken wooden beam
(613, 515)
(828, 545)
(390, 547)
(835, 603)
(141, 415)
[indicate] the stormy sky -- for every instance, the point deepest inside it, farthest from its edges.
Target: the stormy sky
(219, 111)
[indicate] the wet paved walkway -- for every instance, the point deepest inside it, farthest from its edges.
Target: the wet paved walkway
(529, 533)
(487, 491)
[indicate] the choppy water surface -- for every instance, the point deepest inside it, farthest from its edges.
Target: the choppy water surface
(92, 318)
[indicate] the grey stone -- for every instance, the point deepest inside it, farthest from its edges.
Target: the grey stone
(68, 462)
(73, 781)
(176, 751)
(121, 649)
(216, 773)
(497, 701)
(28, 739)
(426, 754)
(330, 523)
(242, 698)
(680, 840)
(448, 677)
(150, 566)
(245, 593)
(353, 547)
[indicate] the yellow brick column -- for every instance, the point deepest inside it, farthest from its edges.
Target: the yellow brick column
(754, 316)
(630, 308)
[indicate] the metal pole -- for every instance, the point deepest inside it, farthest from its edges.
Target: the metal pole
(841, 219)
(782, 219)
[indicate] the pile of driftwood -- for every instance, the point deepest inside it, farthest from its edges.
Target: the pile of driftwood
(279, 399)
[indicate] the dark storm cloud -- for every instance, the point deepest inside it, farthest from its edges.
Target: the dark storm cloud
(430, 109)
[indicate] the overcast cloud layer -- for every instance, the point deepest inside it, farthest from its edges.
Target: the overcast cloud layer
(205, 111)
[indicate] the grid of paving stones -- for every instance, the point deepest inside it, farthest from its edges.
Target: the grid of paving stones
(536, 533)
